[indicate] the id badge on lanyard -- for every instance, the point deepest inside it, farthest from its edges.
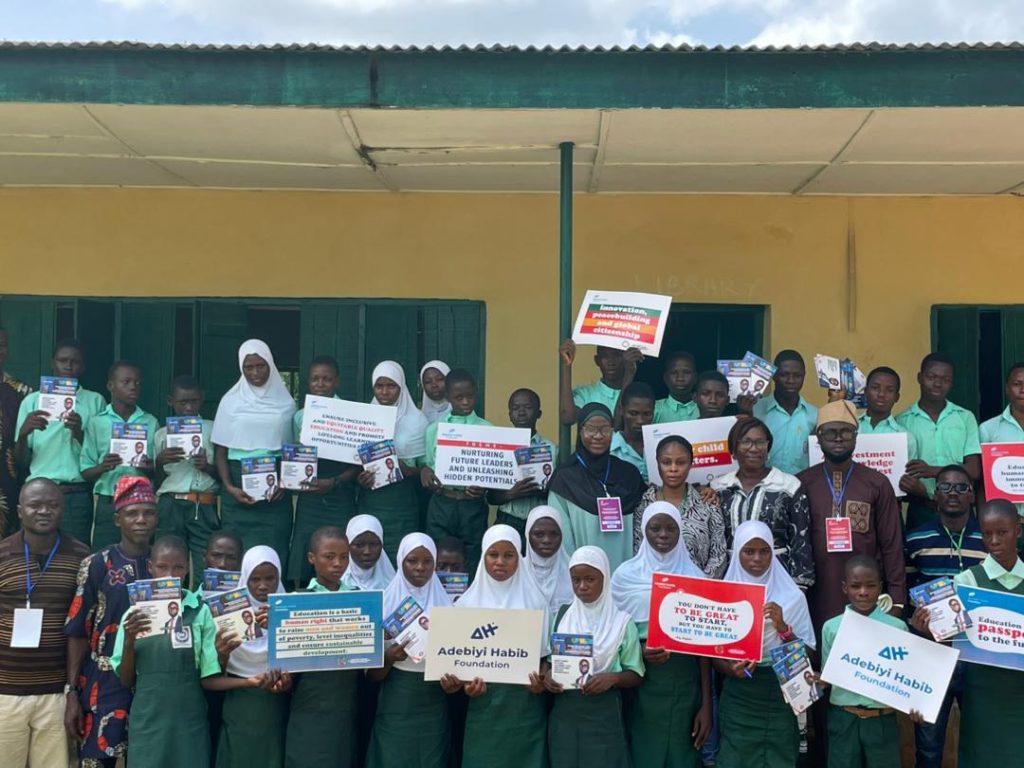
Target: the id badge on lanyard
(28, 621)
(609, 514)
(838, 530)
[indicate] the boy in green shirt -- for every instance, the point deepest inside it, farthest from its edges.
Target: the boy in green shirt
(53, 449)
(617, 371)
(680, 377)
(188, 485)
(711, 394)
(103, 468)
(637, 412)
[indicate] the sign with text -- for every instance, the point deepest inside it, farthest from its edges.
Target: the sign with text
(890, 665)
(621, 320)
(885, 453)
(325, 631)
(338, 427)
(996, 634)
(710, 441)
(476, 455)
(1003, 465)
(498, 646)
(706, 617)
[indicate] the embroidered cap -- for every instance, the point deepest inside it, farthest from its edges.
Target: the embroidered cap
(133, 490)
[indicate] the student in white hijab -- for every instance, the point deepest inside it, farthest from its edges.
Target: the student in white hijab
(397, 505)
(506, 724)
(368, 564)
(551, 569)
(411, 725)
(435, 405)
(752, 710)
(254, 419)
(585, 727)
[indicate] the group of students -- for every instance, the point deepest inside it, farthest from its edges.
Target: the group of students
(546, 550)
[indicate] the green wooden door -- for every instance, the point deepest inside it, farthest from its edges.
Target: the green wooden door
(30, 326)
(955, 331)
(454, 333)
(147, 339)
(334, 329)
(95, 324)
(223, 326)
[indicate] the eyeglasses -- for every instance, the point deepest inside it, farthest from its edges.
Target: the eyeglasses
(746, 444)
(846, 433)
(597, 431)
(945, 487)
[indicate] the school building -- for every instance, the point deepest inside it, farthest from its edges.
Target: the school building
(163, 203)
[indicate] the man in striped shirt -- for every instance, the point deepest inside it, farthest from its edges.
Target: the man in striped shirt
(38, 576)
(945, 546)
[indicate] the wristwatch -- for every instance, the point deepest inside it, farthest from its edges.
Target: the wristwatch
(69, 688)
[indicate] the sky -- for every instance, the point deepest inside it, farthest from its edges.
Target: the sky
(515, 22)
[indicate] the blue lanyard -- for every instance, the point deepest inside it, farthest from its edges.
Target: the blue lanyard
(29, 586)
(837, 498)
(607, 469)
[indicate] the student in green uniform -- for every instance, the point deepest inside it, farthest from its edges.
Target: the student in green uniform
(254, 419)
(757, 727)
(168, 725)
(514, 505)
(454, 511)
(188, 485)
(672, 713)
(435, 405)
(637, 408)
(451, 555)
(586, 727)
(790, 418)
(1008, 426)
(711, 394)
(546, 559)
(321, 725)
(332, 500)
(368, 566)
(680, 377)
(103, 468)
(256, 704)
(397, 505)
(411, 726)
(862, 733)
(993, 704)
(617, 371)
(53, 449)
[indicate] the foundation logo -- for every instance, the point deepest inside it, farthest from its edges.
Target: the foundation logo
(894, 653)
(484, 631)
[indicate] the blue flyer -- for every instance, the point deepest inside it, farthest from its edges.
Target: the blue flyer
(326, 631)
(996, 635)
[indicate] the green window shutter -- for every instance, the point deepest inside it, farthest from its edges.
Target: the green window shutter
(392, 332)
(460, 341)
(30, 326)
(95, 322)
(223, 326)
(334, 329)
(1013, 340)
(955, 332)
(147, 339)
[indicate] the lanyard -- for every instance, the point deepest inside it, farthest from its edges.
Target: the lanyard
(958, 546)
(837, 497)
(607, 469)
(29, 586)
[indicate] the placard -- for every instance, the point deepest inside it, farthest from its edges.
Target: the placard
(706, 617)
(338, 427)
(480, 456)
(891, 666)
(996, 635)
(498, 646)
(882, 452)
(325, 631)
(1003, 465)
(710, 441)
(622, 320)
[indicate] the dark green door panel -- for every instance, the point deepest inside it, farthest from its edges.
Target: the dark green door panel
(95, 325)
(30, 330)
(223, 326)
(334, 330)
(955, 331)
(147, 339)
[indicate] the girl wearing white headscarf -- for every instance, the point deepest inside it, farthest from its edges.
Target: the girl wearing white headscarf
(673, 713)
(364, 533)
(255, 715)
(396, 505)
(506, 724)
(551, 571)
(411, 726)
(758, 729)
(586, 728)
(254, 419)
(435, 407)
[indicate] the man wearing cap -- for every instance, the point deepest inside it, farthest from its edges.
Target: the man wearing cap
(96, 706)
(853, 511)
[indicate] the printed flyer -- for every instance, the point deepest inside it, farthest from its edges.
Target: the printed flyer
(710, 441)
(706, 617)
(622, 320)
(536, 463)
(572, 659)
(216, 580)
(234, 613)
(946, 614)
(496, 645)
(410, 625)
(160, 600)
(473, 455)
(325, 631)
(338, 427)
(885, 453)
(749, 376)
(259, 477)
(1003, 469)
(130, 442)
(381, 458)
(829, 371)
(186, 433)
(996, 635)
(455, 584)
(792, 666)
(298, 467)
(57, 397)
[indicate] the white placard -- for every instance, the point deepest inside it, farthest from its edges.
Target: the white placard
(710, 441)
(890, 666)
(338, 427)
(621, 320)
(498, 646)
(885, 453)
(475, 455)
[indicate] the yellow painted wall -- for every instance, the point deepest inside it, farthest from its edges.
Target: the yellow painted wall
(789, 253)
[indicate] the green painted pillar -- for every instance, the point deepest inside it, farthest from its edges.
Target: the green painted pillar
(565, 272)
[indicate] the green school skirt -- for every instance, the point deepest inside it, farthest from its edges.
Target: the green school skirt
(506, 727)
(661, 714)
(253, 730)
(756, 726)
(321, 725)
(313, 511)
(588, 731)
(991, 717)
(862, 742)
(104, 532)
(193, 522)
(411, 729)
(78, 515)
(397, 508)
(266, 522)
(464, 519)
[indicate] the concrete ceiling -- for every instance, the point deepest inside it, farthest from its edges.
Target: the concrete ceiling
(935, 151)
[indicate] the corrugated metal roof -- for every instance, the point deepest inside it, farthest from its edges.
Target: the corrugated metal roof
(853, 47)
